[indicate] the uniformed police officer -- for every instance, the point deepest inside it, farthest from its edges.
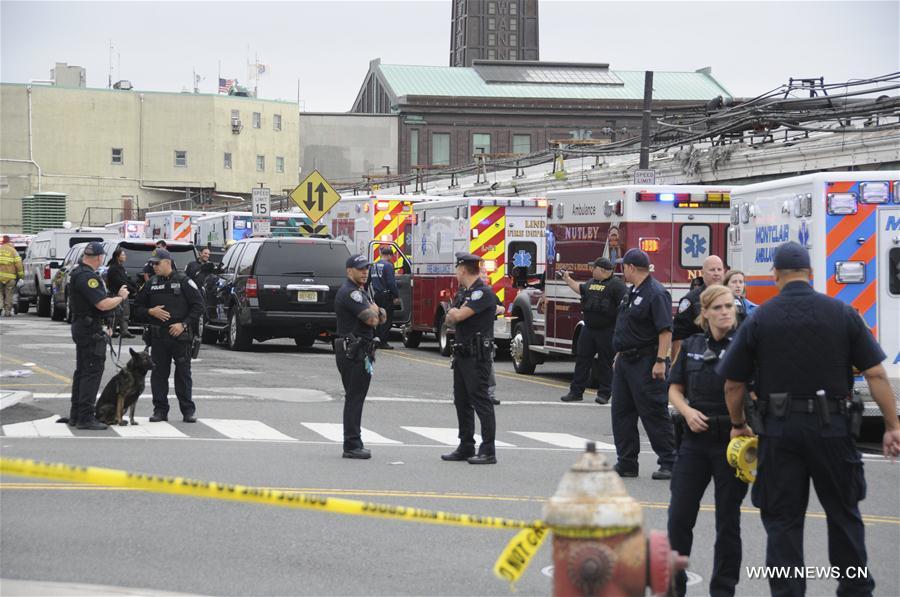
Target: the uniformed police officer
(171, 303)
(89, 307)
(473, 319)
(689, 307)
(385, 292)
(802, 347)
(698, 393)
(354, 349)
(600, 298)
(641, 340)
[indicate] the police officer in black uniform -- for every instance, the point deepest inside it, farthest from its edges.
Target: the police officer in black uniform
(171, 303)
(354, 349)
(90, 307)
(472, 316)
(600, 298)
(641, 340)
(698, 393)
(801, 347)
(385, 292)
(713, 272)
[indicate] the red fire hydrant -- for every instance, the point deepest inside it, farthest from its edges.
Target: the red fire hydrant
(599, 545)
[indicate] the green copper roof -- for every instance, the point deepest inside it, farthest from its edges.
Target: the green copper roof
(466, 82)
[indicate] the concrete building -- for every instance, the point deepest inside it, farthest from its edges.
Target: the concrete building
(346, 147)
(64, 75)
(493, 30)
(124, 152)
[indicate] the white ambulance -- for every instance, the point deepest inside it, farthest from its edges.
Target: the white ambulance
(215, 230)
(128, 229)
(173, 225)
(850, 222)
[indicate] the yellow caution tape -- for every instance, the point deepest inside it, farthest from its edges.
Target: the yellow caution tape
(514, 559)
(741, 455)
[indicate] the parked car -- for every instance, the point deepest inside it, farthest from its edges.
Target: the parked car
(60, 307)
(275, 288)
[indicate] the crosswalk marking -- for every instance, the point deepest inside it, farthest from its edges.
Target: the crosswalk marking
(147, 429)
(335, 433)
(563, 440)
(38, 428)
(449, 436)
(245, 429)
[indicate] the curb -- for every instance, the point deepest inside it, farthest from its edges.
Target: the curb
(8, 399)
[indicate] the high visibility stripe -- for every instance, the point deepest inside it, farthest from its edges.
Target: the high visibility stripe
(487, 239)
(183, 228)
(390, 229)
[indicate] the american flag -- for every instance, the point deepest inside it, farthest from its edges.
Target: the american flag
(225, 85)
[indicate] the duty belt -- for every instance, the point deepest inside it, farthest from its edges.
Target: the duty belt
(642, 351)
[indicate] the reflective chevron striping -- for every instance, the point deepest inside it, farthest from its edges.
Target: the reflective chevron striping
(244, 429)
(563, 440)
(335, 433)
(449, 436)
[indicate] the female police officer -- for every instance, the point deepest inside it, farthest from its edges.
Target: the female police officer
(698, 393)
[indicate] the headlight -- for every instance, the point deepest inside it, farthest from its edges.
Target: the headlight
(850, 272)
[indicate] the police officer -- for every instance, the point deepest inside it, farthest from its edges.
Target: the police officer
(195, 268)
(641, 340)
(600, 298)
(473, 319)
(171, 303)
(802, 346)
(354, 350)
(385, 292)
(698, 393)
(148, 267)
(89, 308)
(689, 307)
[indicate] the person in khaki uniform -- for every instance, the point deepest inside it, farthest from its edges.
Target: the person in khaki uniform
(11, 272)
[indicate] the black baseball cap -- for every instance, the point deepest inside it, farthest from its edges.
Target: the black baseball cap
(158, 255)
(462, 258)
(791, 255)
(94, 248)
(635, 257)
(603, 263)
(358, 262)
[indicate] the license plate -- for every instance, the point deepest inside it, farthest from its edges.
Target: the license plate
(307, 296)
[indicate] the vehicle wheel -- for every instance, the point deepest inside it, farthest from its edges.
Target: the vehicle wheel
(238, 336)
(56, 313)
(22, 306)
(445, 338)
(410, 338)
(43, 305)
(523, 361)
(305, 341)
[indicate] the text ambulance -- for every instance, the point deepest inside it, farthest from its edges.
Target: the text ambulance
(850, 222)
(173, 225)
(679, 226)
(509, 234)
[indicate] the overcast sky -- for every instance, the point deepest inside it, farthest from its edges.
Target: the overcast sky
(752, 47)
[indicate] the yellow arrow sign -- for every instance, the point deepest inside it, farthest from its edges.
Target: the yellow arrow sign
(315, 196)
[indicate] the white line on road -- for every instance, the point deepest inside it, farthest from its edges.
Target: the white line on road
(245, 429)
(38, 428)
(147, 429)
(335, 432)
(563, 440)
(449, 436)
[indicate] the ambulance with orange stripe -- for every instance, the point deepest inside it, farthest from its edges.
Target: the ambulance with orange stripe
(173, 224)
(850, 222)
(509, 234)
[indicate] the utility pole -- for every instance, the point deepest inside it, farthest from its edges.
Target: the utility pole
(645, 121)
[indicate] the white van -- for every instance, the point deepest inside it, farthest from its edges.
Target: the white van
(43, 258)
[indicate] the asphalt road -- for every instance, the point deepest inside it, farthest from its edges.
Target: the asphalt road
(268, 418)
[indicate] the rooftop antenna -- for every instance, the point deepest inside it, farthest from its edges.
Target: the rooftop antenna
(109, 80)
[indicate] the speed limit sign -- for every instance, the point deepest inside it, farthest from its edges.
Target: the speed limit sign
(261, 198)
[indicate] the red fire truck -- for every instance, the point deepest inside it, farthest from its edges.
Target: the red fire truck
(509, 234)
(677, 225)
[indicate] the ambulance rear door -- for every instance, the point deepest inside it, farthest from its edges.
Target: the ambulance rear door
(695, 237)
(888, 267)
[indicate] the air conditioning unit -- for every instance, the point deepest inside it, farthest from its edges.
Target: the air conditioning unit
(236, 125)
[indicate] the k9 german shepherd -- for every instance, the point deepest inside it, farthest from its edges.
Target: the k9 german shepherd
(122, 391)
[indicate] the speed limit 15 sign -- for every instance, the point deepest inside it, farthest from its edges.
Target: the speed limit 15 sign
(261, 198)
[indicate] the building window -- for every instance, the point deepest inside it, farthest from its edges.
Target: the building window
(492, 8)
(235, 114)
(257, 120)
(513, 7)
(492, 55)
(492, 39)
(521, 144)
(513, 24)
(180, 158)
(414, 147)
(481, 143)
(513, 39)
(492, 24)
(118, 156)
(512, 55)
(440, 149)
(227, 163)
(276, 122)
(279, 164)
(260, 163)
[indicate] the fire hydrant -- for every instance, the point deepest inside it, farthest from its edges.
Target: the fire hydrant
(599, 545)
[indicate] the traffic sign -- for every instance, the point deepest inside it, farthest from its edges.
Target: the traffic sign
(315, 196)
(261, 199)
(262, 227)
(645, 177)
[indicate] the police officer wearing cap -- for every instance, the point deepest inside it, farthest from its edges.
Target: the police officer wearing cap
(600, 298)
(354, 349)
(698, 393)
(90, 306)
(385, 292)
(689, 307)
(801, 348)
(641, 340)
(171, 303)
(472, 315)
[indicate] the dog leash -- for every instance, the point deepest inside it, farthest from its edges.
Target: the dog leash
(115, 356)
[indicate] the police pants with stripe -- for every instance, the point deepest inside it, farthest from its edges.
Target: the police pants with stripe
(470, 397)
(593, 342)
(635, 394)
(164, 350)
(355, 380)
(792, 451)
(701, 458)
(90, 359)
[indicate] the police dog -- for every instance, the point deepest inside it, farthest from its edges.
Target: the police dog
(122, 391)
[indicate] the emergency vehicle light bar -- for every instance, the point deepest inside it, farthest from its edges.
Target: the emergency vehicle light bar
(688, 200)
(841, 204)
(874, 192)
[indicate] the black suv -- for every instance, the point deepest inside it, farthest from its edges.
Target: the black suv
(275, 288)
